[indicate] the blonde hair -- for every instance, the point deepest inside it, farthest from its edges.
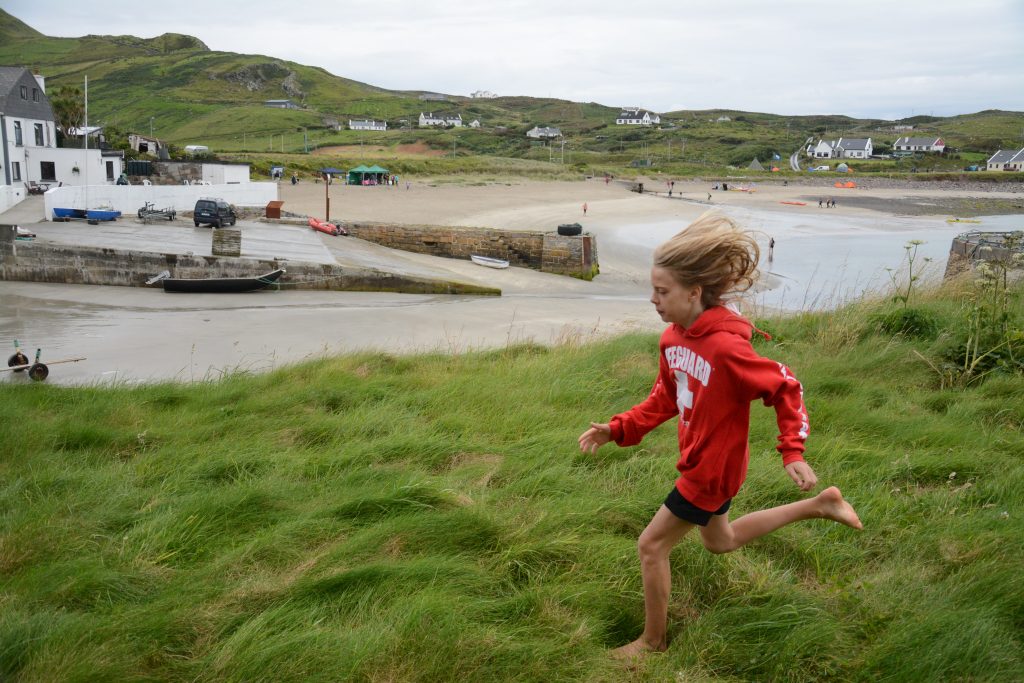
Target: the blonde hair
(714, 253)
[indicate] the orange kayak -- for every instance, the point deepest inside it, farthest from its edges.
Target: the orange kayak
(329, 228)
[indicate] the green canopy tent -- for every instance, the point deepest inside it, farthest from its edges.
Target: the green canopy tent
(362, 173)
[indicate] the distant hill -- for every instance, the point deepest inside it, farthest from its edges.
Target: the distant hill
(185, 92)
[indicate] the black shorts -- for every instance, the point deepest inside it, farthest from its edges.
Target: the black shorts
(688, 512)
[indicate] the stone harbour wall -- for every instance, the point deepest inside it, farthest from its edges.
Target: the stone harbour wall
(33, 261)
(545, 251)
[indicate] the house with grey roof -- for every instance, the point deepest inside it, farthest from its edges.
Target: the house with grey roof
(431, 119)
(538, 132)
(367, 124)
(1006, 160)
(911, 145)
(28, 133)
(843, 148)
(634, 116)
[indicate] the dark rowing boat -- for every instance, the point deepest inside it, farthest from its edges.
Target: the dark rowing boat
(221, 285)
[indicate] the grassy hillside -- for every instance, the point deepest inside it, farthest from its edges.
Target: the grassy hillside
(429, 518)
(189, 94)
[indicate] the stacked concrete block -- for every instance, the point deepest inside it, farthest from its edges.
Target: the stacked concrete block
(227, 242)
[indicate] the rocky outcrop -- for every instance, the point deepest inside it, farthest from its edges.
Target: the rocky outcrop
(255, 77)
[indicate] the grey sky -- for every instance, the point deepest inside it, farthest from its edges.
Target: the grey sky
(874, 58)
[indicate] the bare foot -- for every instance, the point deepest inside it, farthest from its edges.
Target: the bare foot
(834, 507)
(633, 652)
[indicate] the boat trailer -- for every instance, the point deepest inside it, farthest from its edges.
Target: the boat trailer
(149, 212)
(37, 370)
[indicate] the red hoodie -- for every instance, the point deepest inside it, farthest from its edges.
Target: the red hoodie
(708, 375)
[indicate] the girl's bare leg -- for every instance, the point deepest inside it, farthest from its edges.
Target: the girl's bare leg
(655, 545)
(719, 536)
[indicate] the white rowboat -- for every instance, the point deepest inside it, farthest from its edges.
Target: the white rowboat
(488, 261)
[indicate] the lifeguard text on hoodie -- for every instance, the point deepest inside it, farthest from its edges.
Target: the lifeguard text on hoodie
(708, 375)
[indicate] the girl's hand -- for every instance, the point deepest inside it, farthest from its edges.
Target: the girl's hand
(801, 473)
(595, 437)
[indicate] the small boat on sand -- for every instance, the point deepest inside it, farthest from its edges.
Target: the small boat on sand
(795, 203)
(217, 285)
(488, 262)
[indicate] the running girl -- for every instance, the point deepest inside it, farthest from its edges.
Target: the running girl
(708, 376)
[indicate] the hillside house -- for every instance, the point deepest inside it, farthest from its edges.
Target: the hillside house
(723, 119)
(31, 159)
(910, 145)
(144, 145)
(543, 132)
(280, 104)
(843, 148)
(483, 95)
(1006, 160)
(636, 117)
(432, 119)
(433, 97)
(475, 123)
(367, 124)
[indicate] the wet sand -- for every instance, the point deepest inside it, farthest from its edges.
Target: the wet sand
(131, 335)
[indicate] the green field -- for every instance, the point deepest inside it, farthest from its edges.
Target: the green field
(429, 518)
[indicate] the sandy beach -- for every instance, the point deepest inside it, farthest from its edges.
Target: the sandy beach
(823, 256)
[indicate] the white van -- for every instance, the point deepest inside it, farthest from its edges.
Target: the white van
(197, 149)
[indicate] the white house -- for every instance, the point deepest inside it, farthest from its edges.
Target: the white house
(1006, 160)
(538, 132)
(636, 117)
(365, 124)
(475, 123)
(843, 148)
(432, 119)
(280, 104)
(908, 144)
(28, 132)
(854, 148)
(723, 119)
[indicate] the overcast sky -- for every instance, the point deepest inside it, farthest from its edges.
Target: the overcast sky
(873, 58)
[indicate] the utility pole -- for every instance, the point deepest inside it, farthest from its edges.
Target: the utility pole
(563, 151)
(151, 127)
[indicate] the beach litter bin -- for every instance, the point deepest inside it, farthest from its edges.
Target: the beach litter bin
(274, 209)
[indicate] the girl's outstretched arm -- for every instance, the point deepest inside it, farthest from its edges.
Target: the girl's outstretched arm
(598, 435)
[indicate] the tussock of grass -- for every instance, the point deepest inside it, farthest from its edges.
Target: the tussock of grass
(429, 518)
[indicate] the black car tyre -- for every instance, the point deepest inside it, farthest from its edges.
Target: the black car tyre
(570, 229)
(197, 223)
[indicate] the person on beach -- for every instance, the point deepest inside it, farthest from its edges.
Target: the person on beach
(584, 208)
(708, 375)
(771, 249)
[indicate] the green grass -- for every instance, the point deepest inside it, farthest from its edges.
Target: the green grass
(429, 518)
